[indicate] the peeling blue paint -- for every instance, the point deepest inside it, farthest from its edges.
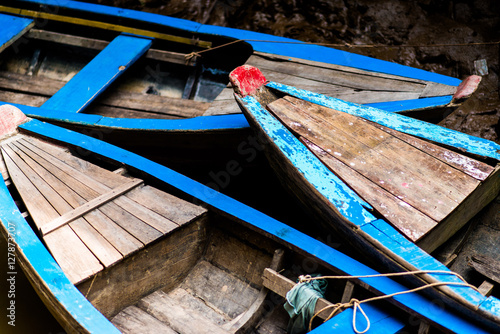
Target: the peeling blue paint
(399, 122)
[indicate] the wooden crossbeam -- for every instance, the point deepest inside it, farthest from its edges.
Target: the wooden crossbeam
(89, 206)
(97, 44)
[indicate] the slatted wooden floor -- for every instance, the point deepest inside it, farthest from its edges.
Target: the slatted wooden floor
(90, 217)
(207, 301)
(341, 82)
(414, 184)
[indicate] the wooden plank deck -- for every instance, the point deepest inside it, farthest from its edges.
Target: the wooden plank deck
(204, 302)
(36, 90)
(94, 78)
(90, 218)
(349, 84)
(402, 177)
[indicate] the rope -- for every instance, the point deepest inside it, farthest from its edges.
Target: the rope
(347, 45)
(356, 304)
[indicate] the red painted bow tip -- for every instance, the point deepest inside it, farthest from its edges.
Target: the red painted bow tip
(246, 79)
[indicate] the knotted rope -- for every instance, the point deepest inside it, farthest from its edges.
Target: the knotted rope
(356, 304)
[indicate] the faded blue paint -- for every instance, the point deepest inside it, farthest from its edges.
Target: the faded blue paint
(414, 302)
(12, 28)
(273, 44)
(348, 203)
(97, 75)
(399, 122)
(416, 104)
(51, 275)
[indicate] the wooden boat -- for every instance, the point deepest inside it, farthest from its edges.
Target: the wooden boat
(127, 250)
(373, 176)
(171, 76)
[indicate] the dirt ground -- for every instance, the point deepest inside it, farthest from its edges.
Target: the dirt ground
(440, 36)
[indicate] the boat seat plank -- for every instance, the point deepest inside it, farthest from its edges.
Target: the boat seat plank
(107, 223)
(477, 169)
(53, 153)
(323, 75)
(411, 222)
(89, 189)
(180, 318)
(117, 236)
(342, 92)
(134, 320)
(72, 255)
(38, 206)
(91, 43)
(13, 28)
(116, 103)
(400, 168)
(48, 185)
(171, 207)
(94, 78)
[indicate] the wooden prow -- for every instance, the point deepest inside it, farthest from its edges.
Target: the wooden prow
(10, 118)
(246, 79)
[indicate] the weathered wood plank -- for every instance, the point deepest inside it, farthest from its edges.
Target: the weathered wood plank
(486, 192)
(92, 80)
(171, 207)
(487, 266)
(89, 188)
(411, 222)
(225, 291)
(133, 320)
(340, 91)
(61, 198)
(71, 253)
(137, 211)
(394, 165)
(13, 28)
(89, 206)
(40, 209)
(119, 103)
(162, 307)
(415, 127)
(74, 258)
(91, 43)
(472, 167)
(351, 79)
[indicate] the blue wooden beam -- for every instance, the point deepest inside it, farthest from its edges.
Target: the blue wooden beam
(94, 78)
(12, 28)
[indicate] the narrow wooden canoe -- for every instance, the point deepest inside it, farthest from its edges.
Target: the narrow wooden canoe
(130, 78)
(127, 250)
(372, 175)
